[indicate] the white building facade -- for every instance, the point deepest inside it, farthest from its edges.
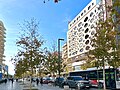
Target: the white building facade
(2, 45)
(82, 29)
(2, 41)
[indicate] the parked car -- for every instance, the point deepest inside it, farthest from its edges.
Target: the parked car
(95, 83)
(76, 82)
(52, 79)
(58, 81)
(46, 80)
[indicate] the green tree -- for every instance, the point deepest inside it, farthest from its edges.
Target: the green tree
(21, 68)
(30, 43)
(29, 46)
(51, 64)
(105, 43)
(115, 36)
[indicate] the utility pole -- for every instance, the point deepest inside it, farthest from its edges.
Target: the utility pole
(59, 57)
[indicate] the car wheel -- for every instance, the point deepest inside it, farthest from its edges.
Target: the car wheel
(100, 85)
(79, 88)
(63, 84)
(66, 87)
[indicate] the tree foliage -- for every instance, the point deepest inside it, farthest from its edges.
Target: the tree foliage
(29, 45)
(51, 64)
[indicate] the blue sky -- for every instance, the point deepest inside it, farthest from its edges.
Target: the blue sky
(53, 20)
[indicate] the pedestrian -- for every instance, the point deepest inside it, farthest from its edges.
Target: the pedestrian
(37, 81)
(12, 80)
(31, 80)
(16, 79)
(5, 80)
(41, 81)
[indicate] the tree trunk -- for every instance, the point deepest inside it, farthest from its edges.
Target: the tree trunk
(104, 85)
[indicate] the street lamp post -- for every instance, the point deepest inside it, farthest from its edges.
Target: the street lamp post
(59, 61)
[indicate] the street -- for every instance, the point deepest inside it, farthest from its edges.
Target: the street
(19, 86)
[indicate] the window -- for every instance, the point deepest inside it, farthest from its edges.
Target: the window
(92, 26)
(92, 3)
(77, 78)
(91, 14)
(87, 42)
(98, 8)
(80, 39)
(81, 44)
(81, 14)
(93, 32)
(92, 45)
(86, 30)
(91, 20)
(75, 28)
(79, 24)
(74, 21)
(86, 25)
(95, 10)
(84, 11)
(75, 33)
(89, 7)
(86, 36)
(85, 19)
(79, 30)
(88, 47)
(81, 50)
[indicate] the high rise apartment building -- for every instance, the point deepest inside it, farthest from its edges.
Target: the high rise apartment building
(82, 29)
(2, 41)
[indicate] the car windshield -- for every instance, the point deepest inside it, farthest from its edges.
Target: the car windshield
(77, 78)
(47, 78)
(61, 79)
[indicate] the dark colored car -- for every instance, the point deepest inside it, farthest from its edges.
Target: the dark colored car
(58, 81)
(76, 82)
(46, 80)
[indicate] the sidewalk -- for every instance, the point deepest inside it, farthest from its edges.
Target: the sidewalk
(19, 86)
(47, 87)
(10, 86)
